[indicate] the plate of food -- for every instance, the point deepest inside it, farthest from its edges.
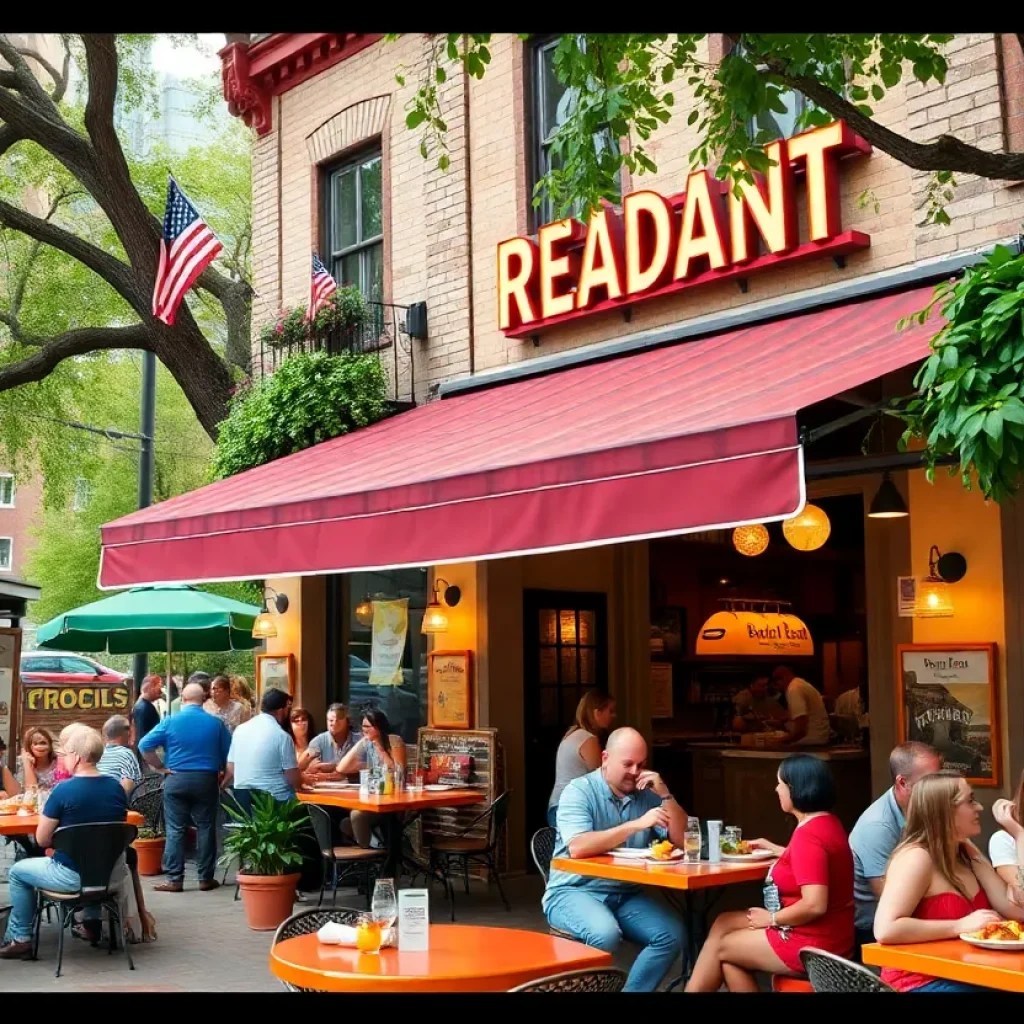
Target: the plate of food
(1002, 935)
(744, 851)
(658, 850)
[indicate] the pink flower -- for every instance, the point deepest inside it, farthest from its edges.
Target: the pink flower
(279, 328)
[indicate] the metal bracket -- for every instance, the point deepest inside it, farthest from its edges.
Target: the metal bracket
(743, 283)
(839, 261)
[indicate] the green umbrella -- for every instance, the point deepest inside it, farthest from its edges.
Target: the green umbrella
(144, 619)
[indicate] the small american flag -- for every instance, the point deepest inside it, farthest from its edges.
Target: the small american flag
(186, 250)
(321, 287)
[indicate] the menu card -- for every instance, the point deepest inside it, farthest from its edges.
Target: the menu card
(413, 919)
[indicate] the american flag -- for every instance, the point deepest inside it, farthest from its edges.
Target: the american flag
(321, 287)
(186, 250)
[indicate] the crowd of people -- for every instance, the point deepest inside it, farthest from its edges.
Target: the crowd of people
(908, 872)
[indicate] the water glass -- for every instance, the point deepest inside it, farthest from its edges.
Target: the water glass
(364, 782)
(691, 841)
(416, 782)
(384, 906)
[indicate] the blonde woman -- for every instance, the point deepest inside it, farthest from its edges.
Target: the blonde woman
(241, 691)
(579, 753)
(937, 884)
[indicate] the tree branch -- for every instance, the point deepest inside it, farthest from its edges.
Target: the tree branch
(81, 341)
(60, 81)
(20, 76)
(8, 137)
(947, 153)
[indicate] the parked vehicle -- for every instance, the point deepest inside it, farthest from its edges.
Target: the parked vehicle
(59, 667)
(399, 703)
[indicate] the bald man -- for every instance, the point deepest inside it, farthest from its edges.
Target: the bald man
(196, 749)
(622, 803)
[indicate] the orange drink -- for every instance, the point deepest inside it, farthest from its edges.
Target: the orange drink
(368, 935)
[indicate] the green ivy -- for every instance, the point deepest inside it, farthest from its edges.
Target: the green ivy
(310, 398)
(970, 400)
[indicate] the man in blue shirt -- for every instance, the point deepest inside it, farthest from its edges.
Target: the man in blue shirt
(87, 797)
(262, 754)
(195, 751)
(622, 803)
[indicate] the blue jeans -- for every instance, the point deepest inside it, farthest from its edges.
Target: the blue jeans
(188, 796)
(553, 816)
(25, 877)
(942, 985)
(604, 919)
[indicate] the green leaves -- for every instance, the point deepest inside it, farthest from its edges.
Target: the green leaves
(970, 400)
(266, 841)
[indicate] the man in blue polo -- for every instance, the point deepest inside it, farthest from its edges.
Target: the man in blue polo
(196, 749)
(622, 803)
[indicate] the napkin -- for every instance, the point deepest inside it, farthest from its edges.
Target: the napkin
(334, 934)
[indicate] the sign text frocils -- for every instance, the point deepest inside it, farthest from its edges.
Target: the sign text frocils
(661, 245)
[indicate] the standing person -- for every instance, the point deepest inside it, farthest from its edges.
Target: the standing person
(938, 884)
(262, 754)
(196, 748)
(878, 830)
(328, 748)
(809, 892)
(145, 714)
(203, 680)
(808, 719)
(579, 752)
(86, 797)
(622, 803)
(231, 712)
(240, 690)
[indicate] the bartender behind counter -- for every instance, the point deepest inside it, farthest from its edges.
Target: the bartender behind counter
(756, 707)
(808, 719)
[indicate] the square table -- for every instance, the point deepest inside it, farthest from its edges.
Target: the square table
(953, 960)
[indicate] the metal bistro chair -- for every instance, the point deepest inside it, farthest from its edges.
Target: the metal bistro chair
(95, 850)
(542, 848)
(148, 799)
(830, 973)
(349, 858)
(306, 921)
(467, 848)
(596, 979)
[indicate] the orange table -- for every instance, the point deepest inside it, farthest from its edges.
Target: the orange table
(461, 958)
(953, 960)
(26, 824)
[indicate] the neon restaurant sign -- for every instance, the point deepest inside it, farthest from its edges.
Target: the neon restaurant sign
(660, 245)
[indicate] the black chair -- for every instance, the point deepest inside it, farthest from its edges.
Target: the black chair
(95, 849)
(597, 979)
(306, 921)
(349, 859)
(468, 849)
(148, 799)
(542, 848)
(830, 973)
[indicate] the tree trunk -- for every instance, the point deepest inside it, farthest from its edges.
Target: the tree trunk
(202, 375)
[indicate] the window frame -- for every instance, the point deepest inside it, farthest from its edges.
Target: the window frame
(9, 567)
(78, 504)
(14, 489)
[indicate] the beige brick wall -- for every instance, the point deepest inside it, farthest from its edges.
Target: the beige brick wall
(443, 228)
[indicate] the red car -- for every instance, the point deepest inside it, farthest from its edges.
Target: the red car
(58, 667)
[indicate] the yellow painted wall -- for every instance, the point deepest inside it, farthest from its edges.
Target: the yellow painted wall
(300, 631)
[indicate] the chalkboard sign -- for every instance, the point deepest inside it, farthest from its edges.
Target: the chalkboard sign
(471, 758)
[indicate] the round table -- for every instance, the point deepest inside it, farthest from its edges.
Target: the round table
(461, 958)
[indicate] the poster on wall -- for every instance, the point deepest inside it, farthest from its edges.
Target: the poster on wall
(906, 596)
(275, 672)
(661, 689)
(450, 689)
(668, 631)
(947, 698)
(390, 626)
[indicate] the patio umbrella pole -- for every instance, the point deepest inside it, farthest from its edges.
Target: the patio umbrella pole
(170, 673)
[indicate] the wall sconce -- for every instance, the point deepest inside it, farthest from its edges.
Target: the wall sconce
(888, 503)
(264, 627)
(934, 600)
(435, 618)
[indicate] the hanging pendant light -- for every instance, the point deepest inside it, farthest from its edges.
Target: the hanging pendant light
(750, 540)
(364, 612)
(888, 503)
(807, 530)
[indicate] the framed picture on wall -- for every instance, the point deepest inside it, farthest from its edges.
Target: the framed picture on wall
(275, 672)
(668, 632)
(450, 689)
(947, 697)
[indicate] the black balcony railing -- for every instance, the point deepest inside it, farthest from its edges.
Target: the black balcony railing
(383, 335)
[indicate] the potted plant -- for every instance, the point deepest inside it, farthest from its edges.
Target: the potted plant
(265, 844)
(149, 845)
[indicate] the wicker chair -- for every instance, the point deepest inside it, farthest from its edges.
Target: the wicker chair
(597, 979)
(306, 921)
(542, 848)
(830, 973)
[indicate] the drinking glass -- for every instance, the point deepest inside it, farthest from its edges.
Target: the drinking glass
(691, 841)
(369, 934)
(384, 906)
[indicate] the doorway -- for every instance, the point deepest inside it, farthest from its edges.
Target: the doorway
(565, 653)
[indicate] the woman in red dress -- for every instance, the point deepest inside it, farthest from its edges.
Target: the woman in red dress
(938, 885)
(808, 893)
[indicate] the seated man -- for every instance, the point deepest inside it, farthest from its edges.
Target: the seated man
(620, 804)
(87, 797)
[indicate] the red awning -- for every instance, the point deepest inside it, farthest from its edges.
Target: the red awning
(692, 437)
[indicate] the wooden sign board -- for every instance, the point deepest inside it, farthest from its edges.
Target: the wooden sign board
(450, 689)
(51, 706)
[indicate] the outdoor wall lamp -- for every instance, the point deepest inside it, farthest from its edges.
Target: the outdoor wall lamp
(264, 627)
(435, 618)
(934, 600)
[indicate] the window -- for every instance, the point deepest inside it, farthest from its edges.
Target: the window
(552, 105)
(6, 490)
(77, 666)
(34, 664)
(355, 224)
(83, 492)
(6, 554)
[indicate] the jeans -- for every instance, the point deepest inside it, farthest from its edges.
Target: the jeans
(25, 877)
(942, 985)
(553, 816)
(604, 919)
(191, 795)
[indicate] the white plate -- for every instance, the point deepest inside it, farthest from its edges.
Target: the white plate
(334, 785)
(640, 853)
(437, 788)
(1006, 947)
(741, 857)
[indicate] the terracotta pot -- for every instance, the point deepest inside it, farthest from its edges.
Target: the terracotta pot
(268, 899)
(151, 853)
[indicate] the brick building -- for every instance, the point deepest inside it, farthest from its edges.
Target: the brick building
(582, 391)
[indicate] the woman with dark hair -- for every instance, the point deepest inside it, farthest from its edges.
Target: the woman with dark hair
(808, 892)
(303, 730)
(378, 749)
